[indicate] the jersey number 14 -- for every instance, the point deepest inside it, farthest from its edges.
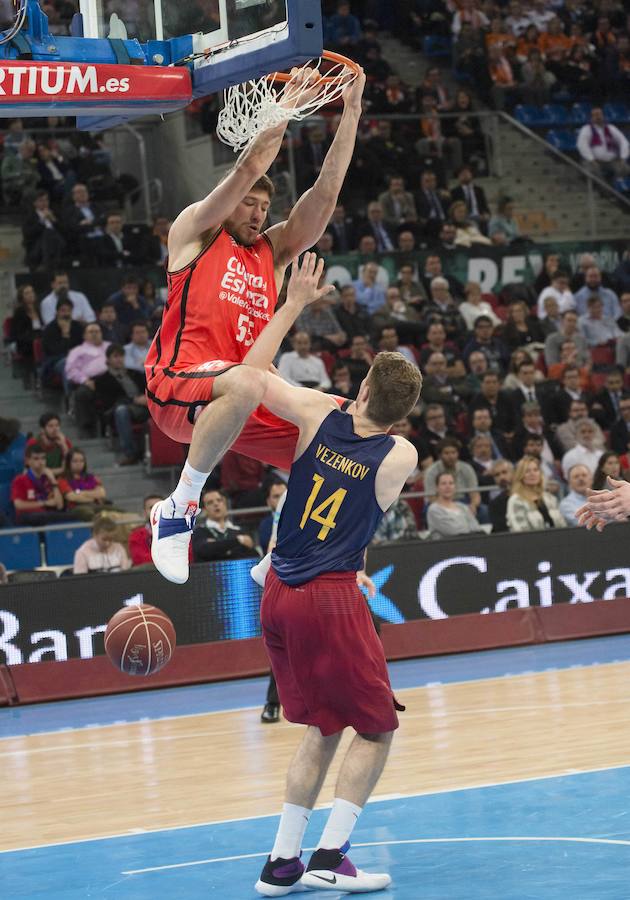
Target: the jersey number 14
(330, 504)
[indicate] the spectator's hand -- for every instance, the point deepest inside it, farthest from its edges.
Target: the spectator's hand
(245, 540)
(140, 400)
(49, 475)
(90, 384)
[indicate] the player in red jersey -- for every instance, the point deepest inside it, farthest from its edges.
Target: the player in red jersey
(224, 278)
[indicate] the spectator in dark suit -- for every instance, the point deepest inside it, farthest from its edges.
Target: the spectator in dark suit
(343, 230)
(352, 318)
(497, 401)
(502, 472)
(359, 360)
(311, 155)
(431, 203)
(26, 326)
(606, 403)
(341, 381)
(44, 243)
(473, 196)
(570, 392)
(113, 331)
(119, 396)
(494, 350)
(532, 423)
(58, 338)
(129, 302)
(529, 391)
(112, 249)
(433, 269)
(375, 227)
(54, 172)
(82, 222)
(216, 537)
(481, 424)
(275, 490)
(435, 428)
(620, 431)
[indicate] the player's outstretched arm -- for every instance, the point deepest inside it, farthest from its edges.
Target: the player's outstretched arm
(301, 291)
(313, 211)
(206, 215)
(605, 506)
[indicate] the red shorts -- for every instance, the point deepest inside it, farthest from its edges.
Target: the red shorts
(326, 656)
(175, 401)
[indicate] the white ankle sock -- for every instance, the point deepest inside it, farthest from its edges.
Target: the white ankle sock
(293, 822)
(342, 819)
(188, 490)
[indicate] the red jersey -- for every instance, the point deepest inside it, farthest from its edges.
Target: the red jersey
(217, 305)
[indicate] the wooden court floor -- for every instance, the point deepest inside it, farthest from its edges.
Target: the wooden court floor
(97, 781)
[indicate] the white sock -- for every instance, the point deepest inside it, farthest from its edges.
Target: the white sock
(188, 490)
(342, 819)
(293, 822)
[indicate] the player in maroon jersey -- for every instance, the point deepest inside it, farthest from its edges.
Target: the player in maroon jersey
(224, 276)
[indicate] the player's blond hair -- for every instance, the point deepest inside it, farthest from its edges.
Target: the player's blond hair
(395, 386)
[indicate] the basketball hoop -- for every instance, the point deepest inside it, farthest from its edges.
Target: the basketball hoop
(274, 99)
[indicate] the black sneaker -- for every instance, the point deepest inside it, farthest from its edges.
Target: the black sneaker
(280, 877)
(270, 713)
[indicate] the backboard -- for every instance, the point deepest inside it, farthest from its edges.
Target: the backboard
(224, 42)
(217, 43)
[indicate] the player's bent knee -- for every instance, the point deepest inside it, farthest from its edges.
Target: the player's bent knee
(384, 737)
(242, 382)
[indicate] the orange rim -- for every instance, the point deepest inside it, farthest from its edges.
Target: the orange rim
(332, 57)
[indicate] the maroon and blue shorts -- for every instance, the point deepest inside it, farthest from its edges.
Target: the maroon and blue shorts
(326, 656)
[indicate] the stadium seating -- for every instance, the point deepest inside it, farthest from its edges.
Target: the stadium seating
(20, 551)
(565, 141)
(61, 545)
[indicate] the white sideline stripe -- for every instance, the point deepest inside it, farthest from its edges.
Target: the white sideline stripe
(455, 840)
(376, 799)
(436, 714)
(234, 709)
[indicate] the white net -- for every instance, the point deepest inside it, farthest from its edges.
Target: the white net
(254, 106)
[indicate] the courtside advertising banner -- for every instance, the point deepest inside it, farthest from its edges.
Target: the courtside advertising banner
(32, 88)
(66, 618)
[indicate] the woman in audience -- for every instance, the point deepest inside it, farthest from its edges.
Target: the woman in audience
(467, 232)
(101, 553)
(521, 328)
(531, 507)
(82, 492)
(609, 464)
(474, 305)
(446, 516)
(26, 326)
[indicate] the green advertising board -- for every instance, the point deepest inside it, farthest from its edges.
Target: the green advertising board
(492, 267)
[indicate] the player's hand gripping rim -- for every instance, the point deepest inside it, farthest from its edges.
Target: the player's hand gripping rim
(303, 284)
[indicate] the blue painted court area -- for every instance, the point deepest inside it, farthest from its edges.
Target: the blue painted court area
(549, 839)
(248, 693)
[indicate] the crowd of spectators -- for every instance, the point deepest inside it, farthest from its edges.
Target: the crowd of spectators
(524, 402)
(62, 185)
